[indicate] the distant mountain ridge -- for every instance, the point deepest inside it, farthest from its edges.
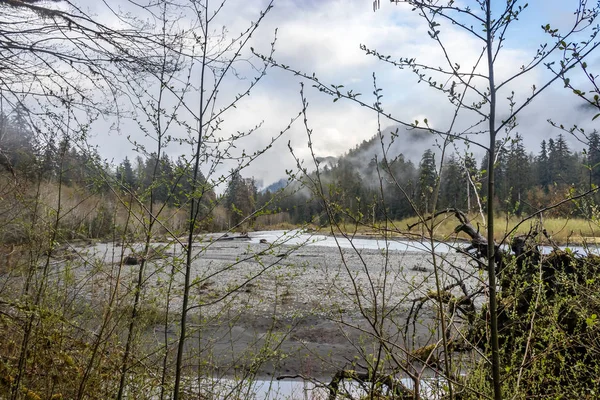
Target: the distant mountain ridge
(275, 186)
(397, 140)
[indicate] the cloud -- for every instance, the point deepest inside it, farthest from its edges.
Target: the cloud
(324, 37)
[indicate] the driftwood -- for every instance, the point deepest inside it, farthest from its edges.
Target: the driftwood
(131, 260)
(547, 316)
(153, 253)
(521, 245)
(545, 302)
(396, 389)
(243, 235)
(479, 243)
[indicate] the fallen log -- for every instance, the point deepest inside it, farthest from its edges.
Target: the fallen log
(396, 388)
(547, 315)
(237, 237)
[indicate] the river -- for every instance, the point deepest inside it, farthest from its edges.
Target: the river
(298, 237)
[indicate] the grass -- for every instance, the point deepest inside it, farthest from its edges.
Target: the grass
(562, 230)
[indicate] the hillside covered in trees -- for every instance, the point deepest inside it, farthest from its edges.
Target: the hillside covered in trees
(527, 181)
(361, 183)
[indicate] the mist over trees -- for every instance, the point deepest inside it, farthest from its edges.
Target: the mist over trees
(527, 180)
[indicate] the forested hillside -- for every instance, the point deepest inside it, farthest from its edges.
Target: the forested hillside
(527, 181)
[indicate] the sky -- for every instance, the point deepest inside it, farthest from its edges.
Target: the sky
(324, 37)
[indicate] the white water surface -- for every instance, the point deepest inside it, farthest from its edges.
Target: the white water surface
(430, 389)
(298, 237)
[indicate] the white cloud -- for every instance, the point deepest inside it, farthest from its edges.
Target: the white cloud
(324, 37)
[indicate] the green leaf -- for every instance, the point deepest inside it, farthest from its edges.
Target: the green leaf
(591, 321)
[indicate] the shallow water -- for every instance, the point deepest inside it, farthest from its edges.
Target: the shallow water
(297, 389)
(297, 237)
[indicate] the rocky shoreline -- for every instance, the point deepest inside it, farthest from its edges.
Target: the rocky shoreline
(287, 309)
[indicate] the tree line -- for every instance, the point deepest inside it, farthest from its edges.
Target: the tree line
(391, 187)
(396, 188)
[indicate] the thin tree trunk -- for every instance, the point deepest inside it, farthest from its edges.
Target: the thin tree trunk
(490, 209)
(194, 206)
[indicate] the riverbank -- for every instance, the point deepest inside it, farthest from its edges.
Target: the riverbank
(286, 303)
(290, 307)
(270, 305)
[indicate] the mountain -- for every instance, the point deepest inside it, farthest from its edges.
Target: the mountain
(397, 141)
(275, 186)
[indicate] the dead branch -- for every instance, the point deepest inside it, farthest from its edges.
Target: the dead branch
(479, 242)
(398, 389)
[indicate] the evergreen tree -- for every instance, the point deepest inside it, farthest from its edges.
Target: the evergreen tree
(150, 164)
(453, 189)
(427, 180)
(125, 174)
(17, 142)
(517, 175)
(50, 158)
(552, 167)
(500, 175)
(561, 162)
(181, 186)
(400, 187)
(543, 167)
(593, 159)
(348, 188)
(239, 198)
(164, 180)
